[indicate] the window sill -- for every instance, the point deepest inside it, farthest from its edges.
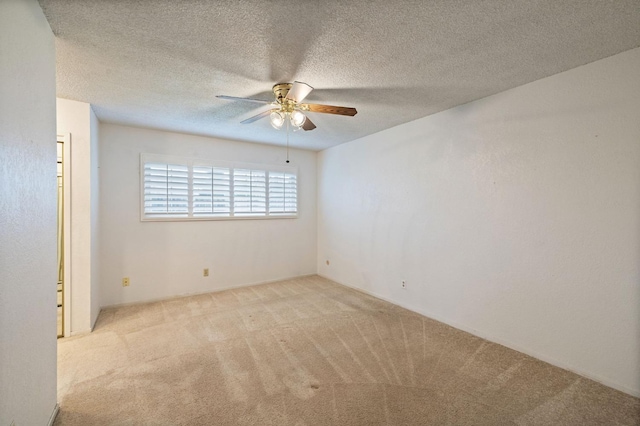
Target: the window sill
(214, 218)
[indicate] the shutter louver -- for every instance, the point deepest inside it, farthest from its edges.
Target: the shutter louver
(166, 189)
(211, 191)
(249, 192)
(283, 193)
(178, 188)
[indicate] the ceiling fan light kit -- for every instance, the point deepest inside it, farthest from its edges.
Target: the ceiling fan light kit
(297, 118)
(277, 119)
(288, 107)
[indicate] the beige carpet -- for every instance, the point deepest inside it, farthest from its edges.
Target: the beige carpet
(311, 352)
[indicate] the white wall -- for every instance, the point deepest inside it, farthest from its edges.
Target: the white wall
(78, 119)
(27, 215)
(165, 259)
(95, 219)
(515, 217)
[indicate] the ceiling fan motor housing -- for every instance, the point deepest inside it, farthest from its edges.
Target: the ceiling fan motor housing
(281, 90)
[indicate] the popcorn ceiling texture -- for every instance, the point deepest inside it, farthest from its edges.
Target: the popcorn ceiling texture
(160, 64)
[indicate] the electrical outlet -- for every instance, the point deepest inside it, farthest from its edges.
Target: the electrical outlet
(404, 284)
(125, 282)
(205, 272)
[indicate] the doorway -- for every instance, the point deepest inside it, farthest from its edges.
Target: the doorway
(63, 281)
(60, 284)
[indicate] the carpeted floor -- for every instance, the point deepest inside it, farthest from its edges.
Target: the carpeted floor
(310, 352)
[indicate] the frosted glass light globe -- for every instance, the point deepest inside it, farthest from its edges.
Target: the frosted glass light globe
(277, 119)
(297, 118)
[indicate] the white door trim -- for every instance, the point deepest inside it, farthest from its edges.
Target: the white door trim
(66, 195)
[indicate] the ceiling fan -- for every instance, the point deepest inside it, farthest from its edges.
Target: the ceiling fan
(288, 107)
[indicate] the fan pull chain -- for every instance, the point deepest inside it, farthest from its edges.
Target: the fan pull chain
(287, 141)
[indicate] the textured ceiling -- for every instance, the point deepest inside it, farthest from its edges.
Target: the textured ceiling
(160, 63)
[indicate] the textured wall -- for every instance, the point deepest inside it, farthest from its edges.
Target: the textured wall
(516, 217)
(27, 215)
(165, 259)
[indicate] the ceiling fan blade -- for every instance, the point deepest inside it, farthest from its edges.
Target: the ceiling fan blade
(330, 109)
(298, 91)
(234, 98)
(258, 117)
(308, 124)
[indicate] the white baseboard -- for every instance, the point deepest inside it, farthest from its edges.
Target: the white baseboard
(180, 296)
(52, 419)
(79, 333)
(493, 339)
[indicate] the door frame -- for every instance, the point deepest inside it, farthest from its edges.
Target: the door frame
(66, 208)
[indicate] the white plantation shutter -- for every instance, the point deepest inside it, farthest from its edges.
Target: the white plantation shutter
(166, 189)
(211, 191)
(249, 192)
(174, 188)
(283, 193)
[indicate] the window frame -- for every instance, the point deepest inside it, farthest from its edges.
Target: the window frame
(191, 162)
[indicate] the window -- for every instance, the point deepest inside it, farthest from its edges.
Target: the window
(249, 192)
(189, 189)
(166, 189)
(211, 191)
(283, 193)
